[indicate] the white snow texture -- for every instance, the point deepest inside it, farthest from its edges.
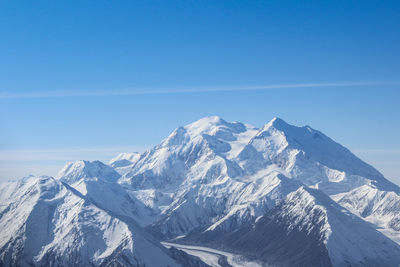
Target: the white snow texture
(206, 184)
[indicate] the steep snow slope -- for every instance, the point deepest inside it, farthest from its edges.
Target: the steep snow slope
(220, 208)
(49, 224)
(311, 157)
(102, 189)
(74, 171)
(317, 161)
(381, 208)
(192, 180)
(124, 159)
(123, 162)
(310, 229)
(201, 145)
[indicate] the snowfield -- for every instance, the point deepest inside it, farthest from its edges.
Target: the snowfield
(280, 194)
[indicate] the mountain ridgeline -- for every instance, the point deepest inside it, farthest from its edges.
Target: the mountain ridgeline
(280, 195)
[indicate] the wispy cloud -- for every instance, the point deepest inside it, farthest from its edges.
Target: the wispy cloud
(150, 91)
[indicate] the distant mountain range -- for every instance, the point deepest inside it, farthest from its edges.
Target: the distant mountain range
(278, 195)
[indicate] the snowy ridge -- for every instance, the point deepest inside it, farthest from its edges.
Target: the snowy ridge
(48, 224)
(311, 157)
(346, 237)
(74, 171)
(310, 228)
(382, 208)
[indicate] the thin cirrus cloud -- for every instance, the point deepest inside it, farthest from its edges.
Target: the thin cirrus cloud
(150, 91)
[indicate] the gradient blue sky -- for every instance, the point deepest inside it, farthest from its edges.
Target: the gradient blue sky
(89, 79)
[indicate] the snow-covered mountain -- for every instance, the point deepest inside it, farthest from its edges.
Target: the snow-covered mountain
(309, 229)
(236, 164)
(75, 171)
(382, 208)
(44, 222)
(98, 183)
(213, 182)
(215, 176)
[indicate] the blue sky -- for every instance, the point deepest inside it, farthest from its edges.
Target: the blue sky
(87, 79)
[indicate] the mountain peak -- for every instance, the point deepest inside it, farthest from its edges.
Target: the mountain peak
(277, 123)
(213, 118)
(124, 159)
(212, 124)
(277, 120)
(296, 147)
(207, 122)
(74, 171)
